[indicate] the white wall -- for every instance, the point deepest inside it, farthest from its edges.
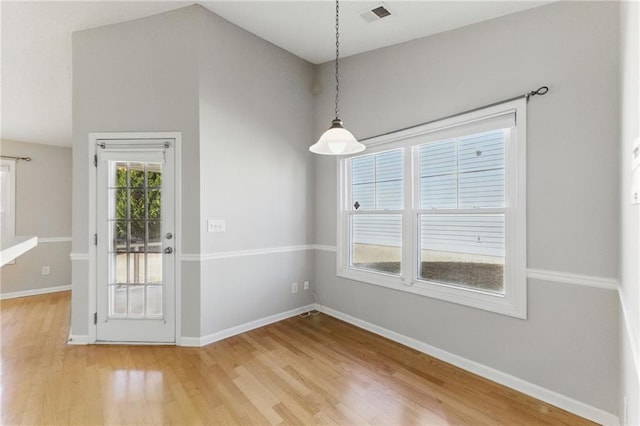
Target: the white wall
(43, 209)
(630, 226)
(256, 174)
(569, 343)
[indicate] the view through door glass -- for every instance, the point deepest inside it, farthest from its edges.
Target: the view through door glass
(135, 252)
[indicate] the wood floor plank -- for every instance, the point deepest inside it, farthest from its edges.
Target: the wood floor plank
(303, 370)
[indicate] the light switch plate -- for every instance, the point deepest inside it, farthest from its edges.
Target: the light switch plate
(216, 225)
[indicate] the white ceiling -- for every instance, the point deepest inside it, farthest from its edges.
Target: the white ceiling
(36, 42)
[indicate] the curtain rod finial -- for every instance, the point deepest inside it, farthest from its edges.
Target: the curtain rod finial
(541, 91)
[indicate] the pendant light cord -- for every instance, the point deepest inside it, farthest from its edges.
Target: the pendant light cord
(337, 55)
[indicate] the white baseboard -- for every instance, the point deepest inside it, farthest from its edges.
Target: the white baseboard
(223, 334)
(538, 392)
(78, 339)
(34, 292)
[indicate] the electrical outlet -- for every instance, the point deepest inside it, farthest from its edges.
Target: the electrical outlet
(306, 285)
(46, 270)
(294, 287)
(216, 225)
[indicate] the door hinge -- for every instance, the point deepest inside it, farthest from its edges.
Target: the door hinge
(95, 239)
(95, 318)
(95, 160)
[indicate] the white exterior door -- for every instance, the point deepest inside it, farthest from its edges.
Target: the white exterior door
(135, 240)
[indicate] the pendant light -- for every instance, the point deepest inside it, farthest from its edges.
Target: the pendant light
(337, 140)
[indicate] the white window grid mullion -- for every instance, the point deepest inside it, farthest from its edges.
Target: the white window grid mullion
(345, 237)
(414, 207)
(457, 146)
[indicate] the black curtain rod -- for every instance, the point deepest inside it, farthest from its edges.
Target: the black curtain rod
(540, 91)
(16, 158)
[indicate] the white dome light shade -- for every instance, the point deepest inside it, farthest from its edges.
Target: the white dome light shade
(336, 141)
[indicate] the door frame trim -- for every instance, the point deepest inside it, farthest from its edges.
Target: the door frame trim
(93, 221)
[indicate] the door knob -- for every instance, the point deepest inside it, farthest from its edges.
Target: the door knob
(168, 250)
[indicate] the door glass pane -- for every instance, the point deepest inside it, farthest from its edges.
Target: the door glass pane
(463, 250)
(118, 208)
(137, 204)
(154, 208)
(154, 300)
(154, 175)
(136, 175)
(135, 239)
(154, 268)
(136, 300)
(119, 268)
(117, 300)
(138, 234)
(155, 235)
(119, 179)
(376, 242)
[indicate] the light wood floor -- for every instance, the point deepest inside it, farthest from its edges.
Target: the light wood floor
(315, 370)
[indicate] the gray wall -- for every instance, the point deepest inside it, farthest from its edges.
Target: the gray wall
(569, 343)
(43, 209)
(256, 174)
(140, 75)
(630, 227)
(245, 157)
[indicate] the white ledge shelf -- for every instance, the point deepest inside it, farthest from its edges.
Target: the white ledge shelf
(13, 247)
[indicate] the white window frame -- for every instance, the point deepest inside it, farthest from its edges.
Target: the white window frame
(514, 300)
(11, 214)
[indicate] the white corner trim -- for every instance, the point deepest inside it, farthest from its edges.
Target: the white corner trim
(576, 279)
(533, 390)
(632, 334)
(54, 239)
(35, 292)
(232, 331)
(78, 339)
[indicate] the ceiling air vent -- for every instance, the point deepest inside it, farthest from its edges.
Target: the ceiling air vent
(376, 13)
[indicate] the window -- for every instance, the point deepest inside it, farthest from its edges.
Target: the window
(376, 219)
(439, 210)
(7, 197)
